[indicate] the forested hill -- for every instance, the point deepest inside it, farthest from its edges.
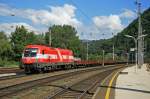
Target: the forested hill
(132, 29)
(122, 43)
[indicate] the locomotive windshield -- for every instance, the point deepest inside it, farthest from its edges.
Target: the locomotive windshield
(30, 52)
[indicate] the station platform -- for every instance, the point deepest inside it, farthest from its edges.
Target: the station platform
(128, 83)
(133, 83)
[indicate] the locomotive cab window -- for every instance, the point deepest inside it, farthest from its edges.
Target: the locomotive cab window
(30, 52)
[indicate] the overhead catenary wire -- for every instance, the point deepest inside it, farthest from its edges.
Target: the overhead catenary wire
(83, 13)
(80, 10)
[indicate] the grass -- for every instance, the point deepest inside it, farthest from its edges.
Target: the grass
(6, 63)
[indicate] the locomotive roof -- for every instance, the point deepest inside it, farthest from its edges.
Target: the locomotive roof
(44, 46)
(38, 46)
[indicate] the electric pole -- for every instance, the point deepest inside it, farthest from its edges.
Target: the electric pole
(50, 38)
(87, 50)
(103, 63)
(140, 41)
(113, 48)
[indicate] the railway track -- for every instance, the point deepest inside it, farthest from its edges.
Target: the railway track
(4, 82)
(10, 70)
(82, 90)
(11, 73)
(12, 76)
(5, 91)
(8, 90)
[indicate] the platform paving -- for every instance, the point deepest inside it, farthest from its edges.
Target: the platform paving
(7, 74)
(133, 84)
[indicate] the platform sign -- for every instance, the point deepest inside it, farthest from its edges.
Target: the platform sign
(132, 49)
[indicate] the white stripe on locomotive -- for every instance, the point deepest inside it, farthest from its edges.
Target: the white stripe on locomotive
(51, 56)
(60, 56)
(46, 56)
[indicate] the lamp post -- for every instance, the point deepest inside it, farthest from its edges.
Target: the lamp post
(12, 14)
(135, 40)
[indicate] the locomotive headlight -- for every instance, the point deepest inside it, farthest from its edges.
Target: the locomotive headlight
(34, 51)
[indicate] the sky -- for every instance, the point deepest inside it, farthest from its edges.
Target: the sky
(93, 19)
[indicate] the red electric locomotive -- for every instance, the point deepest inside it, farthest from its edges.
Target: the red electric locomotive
(43, 58)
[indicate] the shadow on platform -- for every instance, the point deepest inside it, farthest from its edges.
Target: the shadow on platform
(129, 89)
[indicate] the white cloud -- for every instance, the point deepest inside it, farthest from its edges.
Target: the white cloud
(102, 25)
(127, 14)
(58, 15)
(5, 10)
(65, 14)
(112, 22)
(10, 27)
(107, 25)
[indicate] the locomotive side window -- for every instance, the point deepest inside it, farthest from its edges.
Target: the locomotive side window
(43, 52)
(30, 52)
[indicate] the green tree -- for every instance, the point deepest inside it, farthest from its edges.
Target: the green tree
(18, 41)
(5, 48)
(65, 37)
(40, 39)
(22, 37)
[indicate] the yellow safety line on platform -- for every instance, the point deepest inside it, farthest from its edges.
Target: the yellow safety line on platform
(110, 84)
(103, 81)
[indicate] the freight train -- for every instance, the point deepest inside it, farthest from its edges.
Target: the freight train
(41, 58)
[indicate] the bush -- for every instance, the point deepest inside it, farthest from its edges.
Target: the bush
(7, 63)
